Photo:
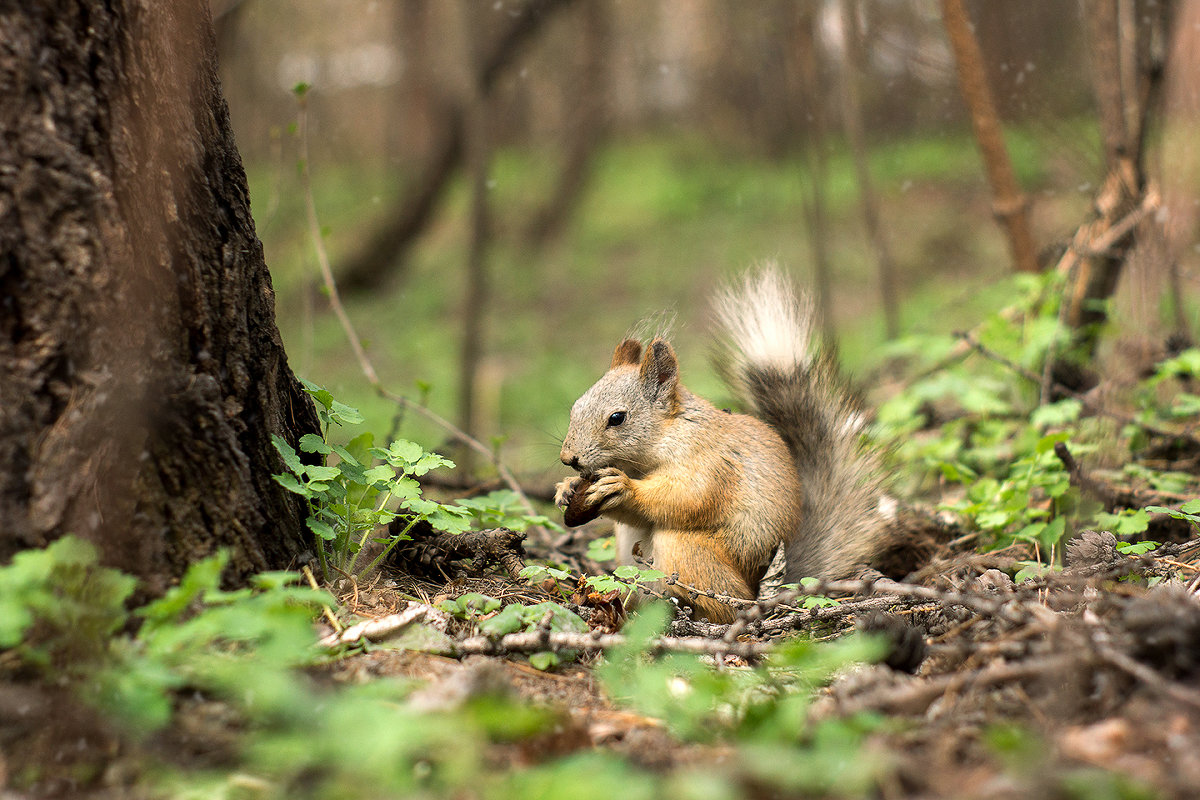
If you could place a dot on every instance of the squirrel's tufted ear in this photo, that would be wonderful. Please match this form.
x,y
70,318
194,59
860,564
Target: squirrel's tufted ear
x,y
660,370
627,352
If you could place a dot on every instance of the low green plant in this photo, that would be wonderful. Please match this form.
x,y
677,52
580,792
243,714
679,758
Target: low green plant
x,y
357,489
59,608
61,612
1189,512
470,605
539,574
761,713
1024,504
626,579
1137,548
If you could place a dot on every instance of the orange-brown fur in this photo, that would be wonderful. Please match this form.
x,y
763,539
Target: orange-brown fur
x,y
709,495
718,491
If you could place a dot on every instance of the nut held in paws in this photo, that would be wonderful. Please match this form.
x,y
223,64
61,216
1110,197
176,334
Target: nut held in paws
x,y
577,513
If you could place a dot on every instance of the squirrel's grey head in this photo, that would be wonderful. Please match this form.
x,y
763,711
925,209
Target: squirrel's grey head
x,y
617,421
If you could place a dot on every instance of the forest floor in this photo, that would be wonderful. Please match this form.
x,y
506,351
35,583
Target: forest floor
x,y
1083,682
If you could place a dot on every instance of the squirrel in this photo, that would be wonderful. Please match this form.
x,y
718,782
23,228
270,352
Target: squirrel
x,y
709,495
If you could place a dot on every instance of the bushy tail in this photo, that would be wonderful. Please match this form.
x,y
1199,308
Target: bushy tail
x,y
772,359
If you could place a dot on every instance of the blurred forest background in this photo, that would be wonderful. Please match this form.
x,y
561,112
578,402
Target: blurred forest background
x,y
506,187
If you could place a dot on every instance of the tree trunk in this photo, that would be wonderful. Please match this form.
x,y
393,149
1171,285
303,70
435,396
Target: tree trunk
x,y
587,94
813,93
867,199
1009,203
141,372
479,156
380,257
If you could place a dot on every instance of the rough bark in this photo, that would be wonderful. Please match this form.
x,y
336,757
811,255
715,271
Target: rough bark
x,y
141,372
1126,82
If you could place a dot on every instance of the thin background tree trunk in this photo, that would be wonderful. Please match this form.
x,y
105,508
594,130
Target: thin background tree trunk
x,y
587,95
141,372
476,291
1008,202
378,259
813,93
868,200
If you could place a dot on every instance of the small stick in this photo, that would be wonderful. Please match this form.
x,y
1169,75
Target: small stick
x,y
326,610
375,630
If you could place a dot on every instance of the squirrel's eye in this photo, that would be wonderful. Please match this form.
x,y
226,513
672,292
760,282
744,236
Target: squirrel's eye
x,y
616,418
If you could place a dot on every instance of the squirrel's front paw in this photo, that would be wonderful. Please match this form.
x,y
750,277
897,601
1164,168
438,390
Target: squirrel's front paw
x,y
565,489
610,489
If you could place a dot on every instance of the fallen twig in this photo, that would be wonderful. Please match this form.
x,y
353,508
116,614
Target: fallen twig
x,y
536,641
375,630
325,610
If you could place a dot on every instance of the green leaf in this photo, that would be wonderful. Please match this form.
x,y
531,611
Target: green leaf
x,y
605,583
319,473
344,414
448,519
289,456
1053,532
311,443
322,529
381,473
319,394
292,484
360,447
1057,414
346,456
201,578
543,660
1047,442
1136,548
510,620
1191,506
602,549
632,572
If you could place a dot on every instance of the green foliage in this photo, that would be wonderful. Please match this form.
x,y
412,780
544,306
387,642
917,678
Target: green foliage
x,y
1136,548
357,489
250,650
1125,522
539,573
495,621
1189,511
470,605
501,508
602,549
216,642
1013,508
810,600
625,579
516,617
999,443
761,712
58,607
62,611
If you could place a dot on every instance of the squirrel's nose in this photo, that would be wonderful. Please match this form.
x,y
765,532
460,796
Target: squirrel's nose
x,y
570,459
